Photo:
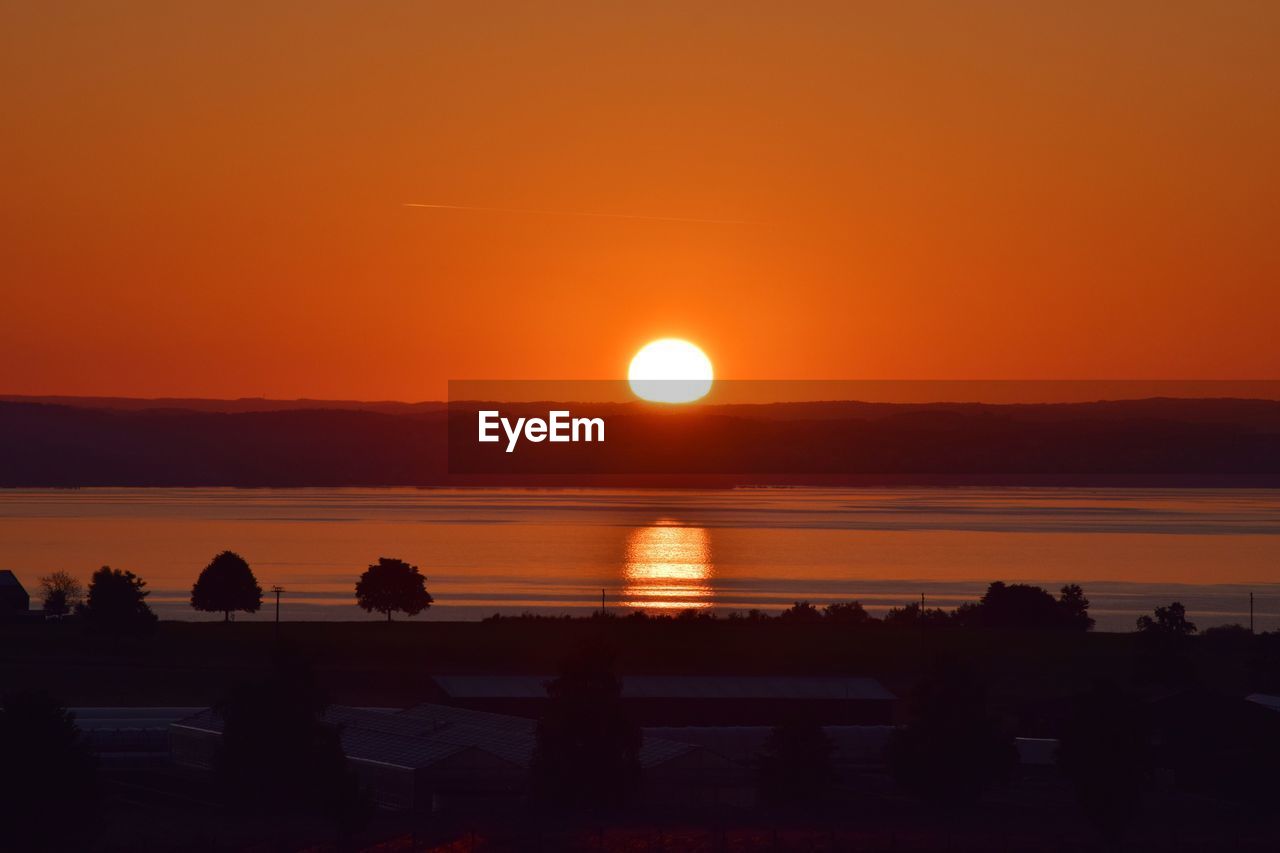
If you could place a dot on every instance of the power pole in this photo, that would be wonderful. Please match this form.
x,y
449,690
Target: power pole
x,y
1250,612
277,589
602,601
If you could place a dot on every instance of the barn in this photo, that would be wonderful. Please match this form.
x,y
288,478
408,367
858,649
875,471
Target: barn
x,y
14,600
427,755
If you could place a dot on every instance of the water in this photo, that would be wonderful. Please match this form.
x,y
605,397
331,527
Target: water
x,y
553,551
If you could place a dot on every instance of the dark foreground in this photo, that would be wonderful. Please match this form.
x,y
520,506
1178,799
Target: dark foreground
x,y
1030,679
156,811
390,665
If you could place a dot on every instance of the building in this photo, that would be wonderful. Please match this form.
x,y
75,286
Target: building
x,y
1218,744
129,737
428,755
694,700
1266,700
13,597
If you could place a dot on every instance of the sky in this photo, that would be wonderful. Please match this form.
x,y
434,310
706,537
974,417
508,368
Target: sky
x,y
209,198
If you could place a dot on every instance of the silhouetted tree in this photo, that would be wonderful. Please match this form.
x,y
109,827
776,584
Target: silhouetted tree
x,y
1105,751
1164,647
795,766
753,615
391,584
847,613
952,749
1168,621
61,592
49,781
226,584
278,756
1230,642
695,614
914,616
117,603
1025,607
588,749
801,611
1075,608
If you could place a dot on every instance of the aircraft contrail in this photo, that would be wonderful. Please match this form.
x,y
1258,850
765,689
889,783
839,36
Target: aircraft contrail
x,y
578,213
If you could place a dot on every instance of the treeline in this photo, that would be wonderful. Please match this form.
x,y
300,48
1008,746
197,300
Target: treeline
x,y
116,600
1002,607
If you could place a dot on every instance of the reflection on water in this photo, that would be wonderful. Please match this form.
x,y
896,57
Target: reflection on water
x,y
668,567
551,551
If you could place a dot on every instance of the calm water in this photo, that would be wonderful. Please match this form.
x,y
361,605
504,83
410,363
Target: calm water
x,y
508,550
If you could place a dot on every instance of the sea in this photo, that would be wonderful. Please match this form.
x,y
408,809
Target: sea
x,y
572,551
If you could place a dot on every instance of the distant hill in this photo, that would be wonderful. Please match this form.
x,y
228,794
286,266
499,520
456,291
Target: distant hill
x,y
107,442
243,404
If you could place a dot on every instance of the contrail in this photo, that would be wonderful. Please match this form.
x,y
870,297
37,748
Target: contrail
x,y
578,213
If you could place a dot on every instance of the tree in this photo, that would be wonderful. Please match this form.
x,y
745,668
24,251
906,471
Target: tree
x,y
1026,607
49,786
278,756
847,613
914,616
952,749
801,611
227,584
1075,608
587,751
1105,751
61,592
391,584
1164,642
795,766
1168,621
755,614
117,604
1230,641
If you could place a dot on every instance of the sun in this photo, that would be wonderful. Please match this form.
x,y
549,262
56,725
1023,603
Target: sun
x,y
670,371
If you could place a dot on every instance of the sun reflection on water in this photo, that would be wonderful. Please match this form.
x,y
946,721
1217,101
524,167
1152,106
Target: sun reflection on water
x,y
668,567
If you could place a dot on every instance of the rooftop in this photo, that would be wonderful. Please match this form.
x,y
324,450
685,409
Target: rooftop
x,y
1266,700
424,735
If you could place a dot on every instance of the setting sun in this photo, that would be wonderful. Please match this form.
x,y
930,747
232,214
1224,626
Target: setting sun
x,y
670,371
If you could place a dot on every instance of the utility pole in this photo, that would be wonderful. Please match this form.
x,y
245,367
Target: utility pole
x,y
1250,611
277,589
602,601
922,602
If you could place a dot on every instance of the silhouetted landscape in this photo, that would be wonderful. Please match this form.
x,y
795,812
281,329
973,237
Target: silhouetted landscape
x,y
1164,442
1005,722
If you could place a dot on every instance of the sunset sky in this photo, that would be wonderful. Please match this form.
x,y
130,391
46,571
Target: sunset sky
x,y
208,199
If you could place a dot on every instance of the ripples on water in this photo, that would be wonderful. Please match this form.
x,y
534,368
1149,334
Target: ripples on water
x,y
512,550
668,567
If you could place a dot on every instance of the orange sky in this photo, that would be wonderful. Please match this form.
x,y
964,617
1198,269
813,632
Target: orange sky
x,y
206,199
